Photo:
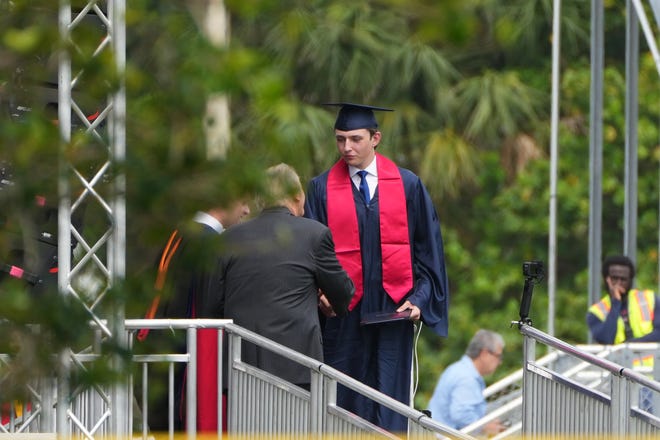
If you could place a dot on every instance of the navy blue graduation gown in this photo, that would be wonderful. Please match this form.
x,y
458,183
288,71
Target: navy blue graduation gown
x,y
380,355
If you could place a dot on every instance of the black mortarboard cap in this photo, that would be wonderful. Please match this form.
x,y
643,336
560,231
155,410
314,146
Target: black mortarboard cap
x,y
354,116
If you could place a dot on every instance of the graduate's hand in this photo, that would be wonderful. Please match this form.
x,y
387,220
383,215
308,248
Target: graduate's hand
x,y
415,313
325,306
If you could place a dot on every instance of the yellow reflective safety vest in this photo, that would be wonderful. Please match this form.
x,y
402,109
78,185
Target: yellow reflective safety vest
x,y
641,305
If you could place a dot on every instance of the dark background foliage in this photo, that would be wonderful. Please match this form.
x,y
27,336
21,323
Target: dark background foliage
x,y
470,83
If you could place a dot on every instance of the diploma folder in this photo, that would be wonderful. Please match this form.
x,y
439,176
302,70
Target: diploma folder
x,y
383,317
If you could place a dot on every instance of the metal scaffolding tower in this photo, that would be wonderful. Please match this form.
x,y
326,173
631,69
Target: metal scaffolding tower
x,y
636,17
98,187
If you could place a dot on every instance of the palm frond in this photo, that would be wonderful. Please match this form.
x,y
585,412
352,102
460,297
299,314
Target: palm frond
x,y
449,163
495,105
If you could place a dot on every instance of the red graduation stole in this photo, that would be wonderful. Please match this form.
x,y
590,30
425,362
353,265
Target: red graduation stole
x,y
394,239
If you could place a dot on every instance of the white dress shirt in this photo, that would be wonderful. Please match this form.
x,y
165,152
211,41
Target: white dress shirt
x,y
372,177
210,221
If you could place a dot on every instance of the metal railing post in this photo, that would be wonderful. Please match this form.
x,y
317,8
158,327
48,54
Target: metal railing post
x,y
191,385
620,404
221,415
316,409
529,355
47,391
232,385
329,399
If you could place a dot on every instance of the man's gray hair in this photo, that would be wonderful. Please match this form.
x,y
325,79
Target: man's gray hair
x,y
282,185
484,340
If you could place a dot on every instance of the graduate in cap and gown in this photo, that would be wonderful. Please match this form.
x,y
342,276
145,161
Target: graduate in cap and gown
x,y
387,237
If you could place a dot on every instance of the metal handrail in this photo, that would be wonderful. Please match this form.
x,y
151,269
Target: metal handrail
x,y
347,381
313,364
624,407
501,395
605,364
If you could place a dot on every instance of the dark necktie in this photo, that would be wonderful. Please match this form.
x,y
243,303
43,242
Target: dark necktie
x,y
364,188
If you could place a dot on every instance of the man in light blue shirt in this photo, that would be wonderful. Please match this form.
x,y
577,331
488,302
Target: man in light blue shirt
x,y
458,397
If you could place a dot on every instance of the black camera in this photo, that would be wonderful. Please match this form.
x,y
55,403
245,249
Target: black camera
x,y
533,269
534,273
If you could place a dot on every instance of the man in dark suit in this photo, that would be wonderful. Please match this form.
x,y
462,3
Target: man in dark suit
x,y
184,269
274,272
189,272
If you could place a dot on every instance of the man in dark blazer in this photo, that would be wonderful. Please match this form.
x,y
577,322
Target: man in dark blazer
x,y
274,272
183,277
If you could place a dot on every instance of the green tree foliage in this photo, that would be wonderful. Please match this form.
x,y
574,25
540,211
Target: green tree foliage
x,y
470,82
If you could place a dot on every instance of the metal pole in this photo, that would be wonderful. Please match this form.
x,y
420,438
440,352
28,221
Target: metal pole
x,y
64,124
596,151
650,40
64,211
648,33
630,181
117,249
552,233
655,6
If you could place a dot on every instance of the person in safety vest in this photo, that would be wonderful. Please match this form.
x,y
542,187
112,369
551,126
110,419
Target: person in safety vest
x,y
626,314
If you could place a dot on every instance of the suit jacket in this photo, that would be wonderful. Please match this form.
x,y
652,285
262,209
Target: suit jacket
x,y
267,281
186,282
189,272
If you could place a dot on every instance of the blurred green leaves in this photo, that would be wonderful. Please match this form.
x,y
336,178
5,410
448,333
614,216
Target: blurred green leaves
x,y
470,84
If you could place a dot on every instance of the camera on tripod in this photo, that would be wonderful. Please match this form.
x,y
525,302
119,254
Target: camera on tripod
x,y
533,272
